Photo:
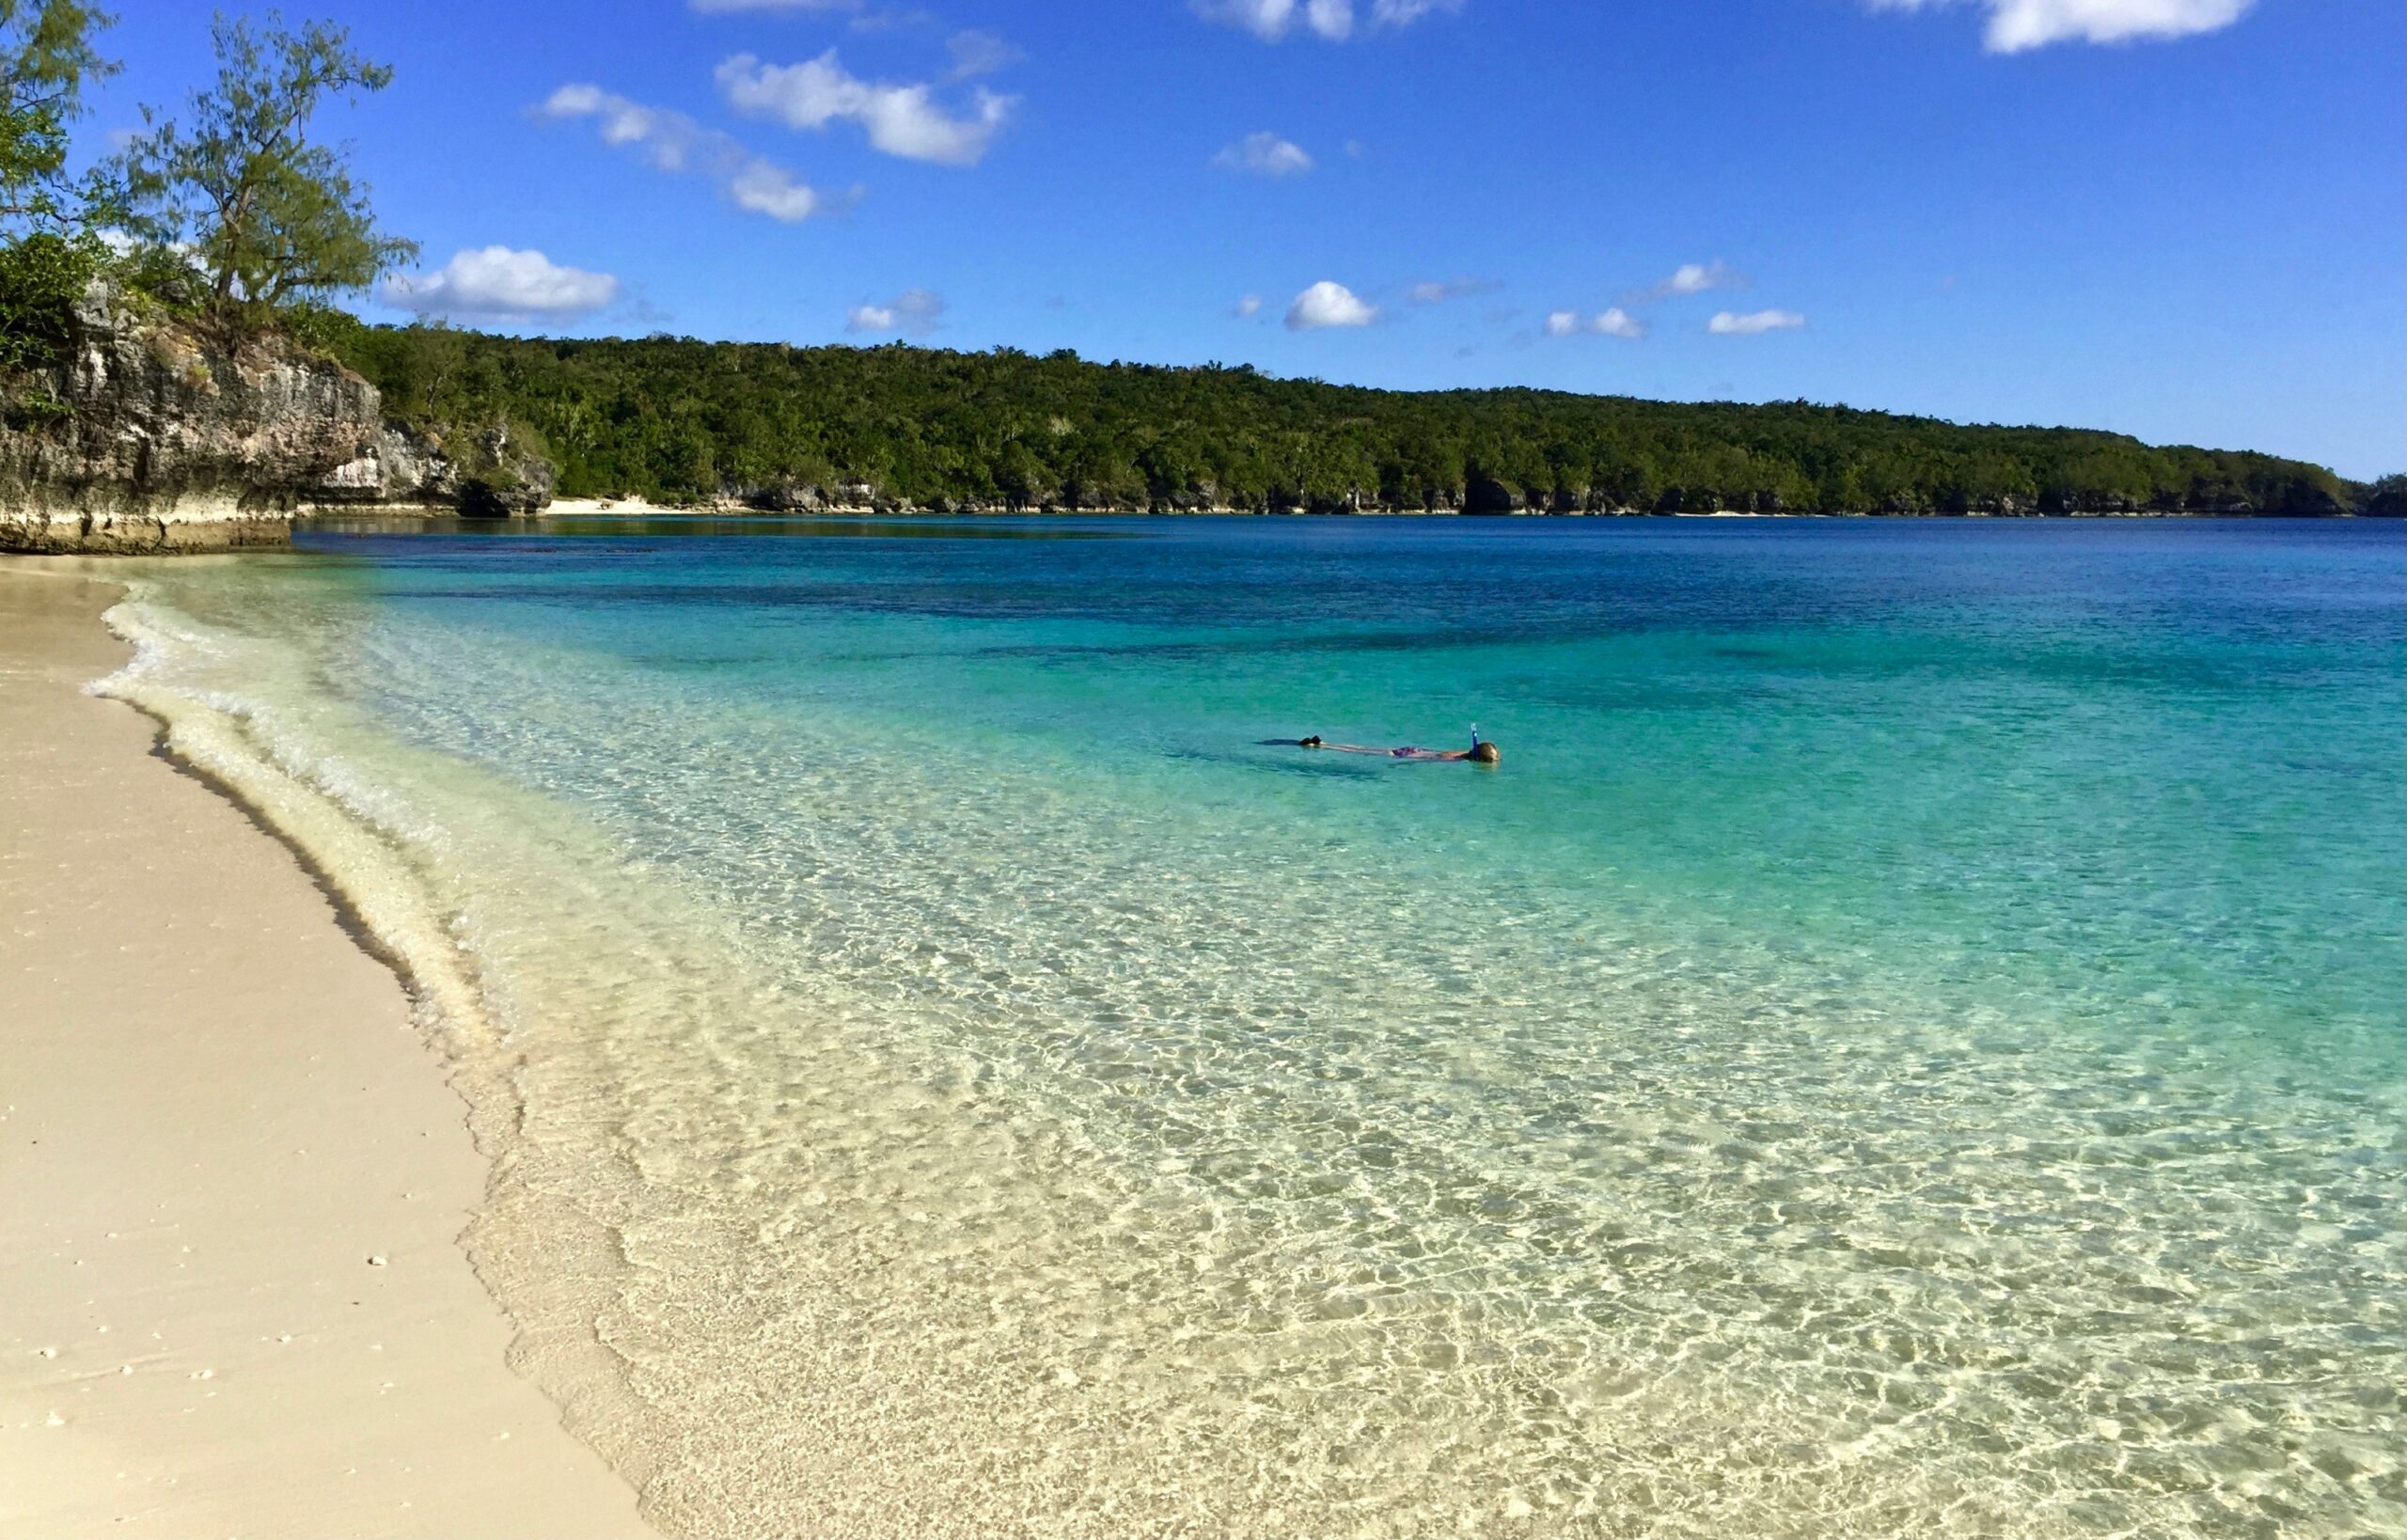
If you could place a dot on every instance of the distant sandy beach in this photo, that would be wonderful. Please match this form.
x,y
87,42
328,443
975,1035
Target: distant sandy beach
x,y
231,1177
629,506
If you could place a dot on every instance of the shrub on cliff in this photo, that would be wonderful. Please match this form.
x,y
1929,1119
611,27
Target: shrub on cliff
x,y
41,276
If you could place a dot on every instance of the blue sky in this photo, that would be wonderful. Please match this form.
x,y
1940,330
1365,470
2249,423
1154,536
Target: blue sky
x,y
2183,219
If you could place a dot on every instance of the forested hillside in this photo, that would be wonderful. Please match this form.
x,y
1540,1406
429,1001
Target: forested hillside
x,y
784,427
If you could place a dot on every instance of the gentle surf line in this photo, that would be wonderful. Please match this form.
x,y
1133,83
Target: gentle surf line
x,y
362,858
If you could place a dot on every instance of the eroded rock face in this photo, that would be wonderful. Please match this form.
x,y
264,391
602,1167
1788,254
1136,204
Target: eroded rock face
x,y
171,442
188,525
481,474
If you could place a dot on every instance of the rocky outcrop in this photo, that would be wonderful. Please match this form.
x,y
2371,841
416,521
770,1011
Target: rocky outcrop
x,y
157,439
479,475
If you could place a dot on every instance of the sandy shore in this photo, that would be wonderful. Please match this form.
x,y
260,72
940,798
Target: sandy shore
x,y
231,1178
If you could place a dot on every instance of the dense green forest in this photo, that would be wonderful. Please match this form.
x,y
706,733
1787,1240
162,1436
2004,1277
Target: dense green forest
x,y
674,419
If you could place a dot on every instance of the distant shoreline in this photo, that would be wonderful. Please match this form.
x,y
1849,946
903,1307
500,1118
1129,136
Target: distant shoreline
x,y
212,527
638,508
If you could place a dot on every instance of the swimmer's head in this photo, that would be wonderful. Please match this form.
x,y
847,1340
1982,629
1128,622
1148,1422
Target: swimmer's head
x,y
1312,742
1485,753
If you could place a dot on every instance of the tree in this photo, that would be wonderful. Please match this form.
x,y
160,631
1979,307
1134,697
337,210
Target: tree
x,y
49,252
267,217
46,56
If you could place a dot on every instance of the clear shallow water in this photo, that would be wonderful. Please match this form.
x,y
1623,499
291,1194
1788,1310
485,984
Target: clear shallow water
x,y
1909,1041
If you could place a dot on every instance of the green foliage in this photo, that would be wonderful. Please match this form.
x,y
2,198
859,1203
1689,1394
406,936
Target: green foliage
x,y
47,253
676,419
41,276
46,59
269,218
322,328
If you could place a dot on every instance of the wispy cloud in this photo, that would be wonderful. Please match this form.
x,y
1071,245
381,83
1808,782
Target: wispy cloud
x,y
1264,154
976,53
1247,308
1437,291
864,19
1406,12
721,8
2018,25
670,141
1270,19
914,312
1753,324
1330,20
1691,278
902,120
496,283
1614,322
1326,305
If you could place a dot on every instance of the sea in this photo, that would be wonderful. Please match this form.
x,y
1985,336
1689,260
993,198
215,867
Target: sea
x,y
1909,1039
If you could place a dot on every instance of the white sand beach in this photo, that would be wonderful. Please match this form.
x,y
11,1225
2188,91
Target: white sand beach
x,y
232,1176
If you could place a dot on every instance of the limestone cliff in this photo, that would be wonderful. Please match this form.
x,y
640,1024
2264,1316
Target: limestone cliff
x,y
156,439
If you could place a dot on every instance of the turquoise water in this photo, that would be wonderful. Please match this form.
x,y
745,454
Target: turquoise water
x,y
1909,1039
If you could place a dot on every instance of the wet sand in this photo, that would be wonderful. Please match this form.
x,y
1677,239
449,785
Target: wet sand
x,y
232,1178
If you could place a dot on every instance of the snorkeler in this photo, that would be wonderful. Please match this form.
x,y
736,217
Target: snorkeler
x,y
1480,752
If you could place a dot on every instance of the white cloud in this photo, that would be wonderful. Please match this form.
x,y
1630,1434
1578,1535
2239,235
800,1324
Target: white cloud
x,y
721,8
1247,308
2017,25
1693,278
1753,324
1264,155
1269,20
1330,20
664,138
1406,12
670,141
902,120
1612,322
980,54
915,311
496,283
758,187
1327,303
